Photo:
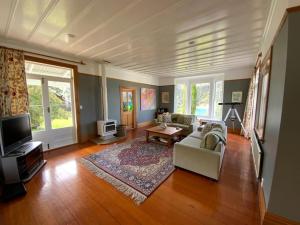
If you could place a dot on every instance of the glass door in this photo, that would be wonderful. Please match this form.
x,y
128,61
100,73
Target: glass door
x,y
36,104
51,111
127,113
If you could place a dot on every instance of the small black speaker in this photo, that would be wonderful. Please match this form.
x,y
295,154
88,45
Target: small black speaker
x,y
10,191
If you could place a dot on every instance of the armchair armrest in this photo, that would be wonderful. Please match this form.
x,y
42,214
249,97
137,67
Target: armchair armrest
x,y
199,160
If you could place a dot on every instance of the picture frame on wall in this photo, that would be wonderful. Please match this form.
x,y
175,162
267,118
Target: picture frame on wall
x,y
237,96
165,97
148,99
263,95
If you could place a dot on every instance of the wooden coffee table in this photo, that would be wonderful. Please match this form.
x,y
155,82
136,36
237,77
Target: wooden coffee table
x,y
169,133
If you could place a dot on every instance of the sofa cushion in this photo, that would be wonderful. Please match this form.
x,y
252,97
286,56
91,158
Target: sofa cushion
x,y
210,141
190,141
187,120
180,119
207,127
196,134
218,125
174,118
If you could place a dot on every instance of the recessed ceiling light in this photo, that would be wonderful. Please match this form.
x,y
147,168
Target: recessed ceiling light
x,y
71,35
68,37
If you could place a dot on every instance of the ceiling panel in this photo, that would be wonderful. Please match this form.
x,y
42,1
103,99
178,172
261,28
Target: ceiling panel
x,y
7,9
27,15
59,15
133,17
158,37
95,15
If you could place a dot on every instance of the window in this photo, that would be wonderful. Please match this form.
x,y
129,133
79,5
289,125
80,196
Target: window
x,y
200,94
181,98
218,109
204,97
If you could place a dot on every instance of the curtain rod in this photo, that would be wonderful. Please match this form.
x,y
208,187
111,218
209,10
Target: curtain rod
x,y
257,59
52,57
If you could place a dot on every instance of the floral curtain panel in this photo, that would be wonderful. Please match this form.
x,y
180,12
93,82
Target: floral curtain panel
x,y
248,120
13,88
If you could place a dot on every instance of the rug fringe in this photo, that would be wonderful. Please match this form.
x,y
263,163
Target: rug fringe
x,y
121,186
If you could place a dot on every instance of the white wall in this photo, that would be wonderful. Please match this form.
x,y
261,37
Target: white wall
x,y
276,13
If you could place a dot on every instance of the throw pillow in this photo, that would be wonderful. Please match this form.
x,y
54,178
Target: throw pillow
x,y
217,129
217,125
207,127
160,118
167,118
187,120
174,118
210,141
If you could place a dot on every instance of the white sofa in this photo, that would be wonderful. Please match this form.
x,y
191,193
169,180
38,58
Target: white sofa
x,y
187,154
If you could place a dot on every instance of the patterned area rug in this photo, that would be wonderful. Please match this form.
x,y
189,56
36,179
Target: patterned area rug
x,y
135,168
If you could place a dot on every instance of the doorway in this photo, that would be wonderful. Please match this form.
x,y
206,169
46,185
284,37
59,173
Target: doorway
x,y
51,104
128,107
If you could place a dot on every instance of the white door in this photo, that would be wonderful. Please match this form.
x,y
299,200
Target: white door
x,y
51,107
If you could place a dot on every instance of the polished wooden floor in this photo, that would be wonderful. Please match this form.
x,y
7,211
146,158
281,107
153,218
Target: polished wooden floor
x,y
65,192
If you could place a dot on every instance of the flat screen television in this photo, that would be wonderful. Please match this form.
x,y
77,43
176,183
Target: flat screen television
x,y
14,132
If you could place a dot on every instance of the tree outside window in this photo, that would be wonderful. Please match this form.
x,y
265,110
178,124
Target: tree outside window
x,y
200,94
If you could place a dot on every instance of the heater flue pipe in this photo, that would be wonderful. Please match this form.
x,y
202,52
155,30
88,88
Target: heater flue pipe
x,y
104,90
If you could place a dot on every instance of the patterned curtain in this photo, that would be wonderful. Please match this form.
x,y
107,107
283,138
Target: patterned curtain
x,y
13,88
249,112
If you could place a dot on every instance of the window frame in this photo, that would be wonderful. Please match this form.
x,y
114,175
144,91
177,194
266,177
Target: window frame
x,y
212,80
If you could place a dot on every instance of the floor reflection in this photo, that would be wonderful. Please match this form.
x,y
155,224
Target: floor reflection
x,y
66,170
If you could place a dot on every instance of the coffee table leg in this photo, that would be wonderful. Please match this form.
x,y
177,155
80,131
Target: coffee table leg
x,y
147,136
169,142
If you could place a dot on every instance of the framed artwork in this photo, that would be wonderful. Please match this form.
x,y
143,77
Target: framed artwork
x,y
165,97
263,95
148,99
237,96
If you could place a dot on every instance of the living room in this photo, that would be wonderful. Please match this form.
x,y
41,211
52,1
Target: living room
x,y
149,112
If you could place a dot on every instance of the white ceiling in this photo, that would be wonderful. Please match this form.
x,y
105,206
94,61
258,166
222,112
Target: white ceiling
x,y
157,37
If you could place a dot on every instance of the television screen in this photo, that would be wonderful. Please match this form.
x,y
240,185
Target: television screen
x,y
15,131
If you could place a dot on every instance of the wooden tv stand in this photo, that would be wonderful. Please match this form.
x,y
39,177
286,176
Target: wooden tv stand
x,y
23,163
